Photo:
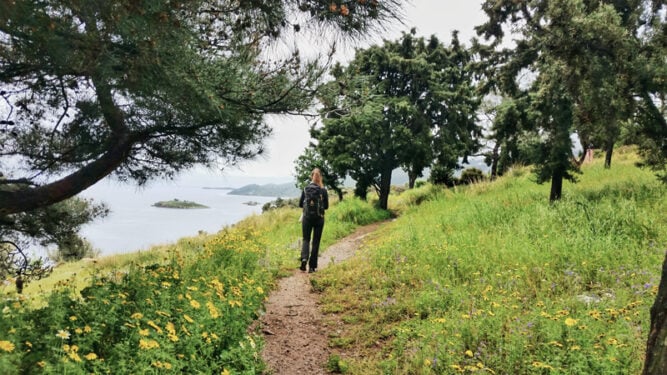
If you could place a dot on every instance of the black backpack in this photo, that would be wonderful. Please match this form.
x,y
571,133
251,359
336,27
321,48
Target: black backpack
x,y
313,206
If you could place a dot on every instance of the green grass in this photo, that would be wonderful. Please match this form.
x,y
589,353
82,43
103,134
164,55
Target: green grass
x,y
489,278
182,308
493,279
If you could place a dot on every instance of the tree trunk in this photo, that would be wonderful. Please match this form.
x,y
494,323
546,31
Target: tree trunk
x,y
655,362
412,177
495,156
609,150
361,191
385,188
585,147
340,194
28,199
556,185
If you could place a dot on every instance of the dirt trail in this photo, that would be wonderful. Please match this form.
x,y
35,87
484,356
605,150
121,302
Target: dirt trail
x,y
296,339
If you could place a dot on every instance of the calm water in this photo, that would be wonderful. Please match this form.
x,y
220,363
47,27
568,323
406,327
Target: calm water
x,y
134,224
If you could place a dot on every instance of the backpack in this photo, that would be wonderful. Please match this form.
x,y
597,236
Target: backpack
x,y
312,203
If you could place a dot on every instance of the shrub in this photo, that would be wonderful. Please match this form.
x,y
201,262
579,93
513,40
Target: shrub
x,y
471,176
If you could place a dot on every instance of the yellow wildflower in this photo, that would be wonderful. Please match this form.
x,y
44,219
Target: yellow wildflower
x,y
6,346
212,310
148,344
570,322
155,326
225,372
144,332
456,367
72,318
63,334
195,304
538,364
87,329
188,318
91,356
469,353
137,315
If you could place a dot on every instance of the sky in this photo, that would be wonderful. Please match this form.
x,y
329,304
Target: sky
x,y
290,133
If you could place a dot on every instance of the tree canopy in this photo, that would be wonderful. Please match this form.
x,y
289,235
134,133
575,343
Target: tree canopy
x,y
577,66
143,89
404,103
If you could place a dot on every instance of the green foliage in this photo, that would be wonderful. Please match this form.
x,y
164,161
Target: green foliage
x,y
279,203
186,310
73,248
573,88
490,278
189,314
56,225
150,88
311,159
336,365
358,212
471,176
442,175
404,103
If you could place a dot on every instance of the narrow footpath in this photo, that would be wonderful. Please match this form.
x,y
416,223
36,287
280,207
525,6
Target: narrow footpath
x,y
295,336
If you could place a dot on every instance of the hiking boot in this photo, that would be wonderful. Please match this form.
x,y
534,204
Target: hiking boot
x,y
303,265
311,270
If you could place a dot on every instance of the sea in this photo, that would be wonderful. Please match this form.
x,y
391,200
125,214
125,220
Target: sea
x,y
135,224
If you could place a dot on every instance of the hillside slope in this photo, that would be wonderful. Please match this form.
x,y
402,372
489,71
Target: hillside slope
x,y
494,279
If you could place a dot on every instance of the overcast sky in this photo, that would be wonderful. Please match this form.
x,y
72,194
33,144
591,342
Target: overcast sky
x,y
290,134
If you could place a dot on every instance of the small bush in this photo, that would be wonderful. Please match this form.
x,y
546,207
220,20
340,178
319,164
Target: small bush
x,y
337,365
471,176
73,248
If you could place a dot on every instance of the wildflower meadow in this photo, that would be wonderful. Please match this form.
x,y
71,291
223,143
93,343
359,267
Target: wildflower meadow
x,y
488,278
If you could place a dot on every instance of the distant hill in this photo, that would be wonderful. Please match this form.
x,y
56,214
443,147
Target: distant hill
x,y
286,190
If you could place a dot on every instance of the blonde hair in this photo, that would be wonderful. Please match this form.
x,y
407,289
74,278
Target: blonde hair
x,y
316,177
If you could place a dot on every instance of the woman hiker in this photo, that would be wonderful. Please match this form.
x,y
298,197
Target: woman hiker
x,y
314,201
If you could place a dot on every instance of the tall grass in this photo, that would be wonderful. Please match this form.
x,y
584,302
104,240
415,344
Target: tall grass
x,y
182,308
495,279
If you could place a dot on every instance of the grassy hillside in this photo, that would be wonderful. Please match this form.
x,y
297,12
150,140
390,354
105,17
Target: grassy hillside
x,y
183,308
494,279
489,278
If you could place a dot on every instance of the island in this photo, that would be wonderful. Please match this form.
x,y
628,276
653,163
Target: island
x,y
286,190
177,203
